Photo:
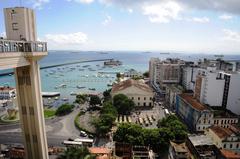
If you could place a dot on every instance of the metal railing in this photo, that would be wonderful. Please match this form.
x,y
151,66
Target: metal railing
x,y
22,46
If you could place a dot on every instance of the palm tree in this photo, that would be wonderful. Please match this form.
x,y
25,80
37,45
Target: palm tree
x,y
77,153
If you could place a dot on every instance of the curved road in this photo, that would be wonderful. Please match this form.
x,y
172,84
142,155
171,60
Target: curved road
x,y
58,129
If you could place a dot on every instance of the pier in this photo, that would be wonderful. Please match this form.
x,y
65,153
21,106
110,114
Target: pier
x,y
58,65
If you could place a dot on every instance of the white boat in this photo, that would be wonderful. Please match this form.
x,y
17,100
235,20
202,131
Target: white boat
x,y
73,93
64,99
80,87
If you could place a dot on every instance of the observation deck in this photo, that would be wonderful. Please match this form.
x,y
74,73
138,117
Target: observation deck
x,y
16,53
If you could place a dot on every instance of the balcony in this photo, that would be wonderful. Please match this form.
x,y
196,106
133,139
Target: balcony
x,y
17,53
22,46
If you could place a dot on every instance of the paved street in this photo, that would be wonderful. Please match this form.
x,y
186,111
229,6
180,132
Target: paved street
x,y
58,129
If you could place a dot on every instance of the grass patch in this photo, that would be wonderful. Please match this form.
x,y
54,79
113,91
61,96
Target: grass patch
x,y
49,113
77,124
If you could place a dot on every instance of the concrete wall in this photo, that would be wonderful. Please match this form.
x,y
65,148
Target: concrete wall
x,y
233,103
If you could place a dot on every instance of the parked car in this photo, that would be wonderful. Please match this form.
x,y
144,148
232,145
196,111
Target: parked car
x,y
83,134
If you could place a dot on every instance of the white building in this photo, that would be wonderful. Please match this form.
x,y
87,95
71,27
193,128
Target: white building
x,y
217,88
7,93
189,74
139,92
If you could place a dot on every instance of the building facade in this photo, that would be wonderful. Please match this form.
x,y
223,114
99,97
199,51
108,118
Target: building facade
x,y
217,88
164,72
138,91
189,74
198,117
225,138
178,151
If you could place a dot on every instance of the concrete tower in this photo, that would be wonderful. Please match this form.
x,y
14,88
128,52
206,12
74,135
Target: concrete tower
x,y
21,51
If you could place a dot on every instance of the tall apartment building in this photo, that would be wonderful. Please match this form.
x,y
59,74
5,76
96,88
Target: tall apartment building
x,y
164,72
189,74
217,88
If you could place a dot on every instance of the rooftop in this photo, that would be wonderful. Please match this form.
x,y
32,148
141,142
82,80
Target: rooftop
x,y
99,150
179,147
130,82
198,140
223,113
4,88
193,102
230,154
223,132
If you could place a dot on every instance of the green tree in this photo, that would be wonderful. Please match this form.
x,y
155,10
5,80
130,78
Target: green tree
x,y
146,74
178,129
77,153
81,98
123,104
104,123
107,95
129,133
64,109
94,100
118,75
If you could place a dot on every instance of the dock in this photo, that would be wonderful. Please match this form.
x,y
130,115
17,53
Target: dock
x,y
50,94
58,65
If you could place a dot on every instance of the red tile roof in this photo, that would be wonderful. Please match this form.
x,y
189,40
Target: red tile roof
x,y
193,102
221,132
230,154
130,82
6,88
99,150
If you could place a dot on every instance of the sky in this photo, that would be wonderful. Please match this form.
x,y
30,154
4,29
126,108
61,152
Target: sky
x,y
191,26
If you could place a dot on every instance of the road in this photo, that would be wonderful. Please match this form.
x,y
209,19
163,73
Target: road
x,y
57,129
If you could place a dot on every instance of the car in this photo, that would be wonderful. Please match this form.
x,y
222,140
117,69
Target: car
x,y
90,136
83,134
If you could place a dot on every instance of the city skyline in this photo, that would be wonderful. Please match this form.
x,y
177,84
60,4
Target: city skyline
x,y
172,26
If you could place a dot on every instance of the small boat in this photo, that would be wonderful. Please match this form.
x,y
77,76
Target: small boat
x,y
92,89
56,98
109,84
73,93
64,99
80,87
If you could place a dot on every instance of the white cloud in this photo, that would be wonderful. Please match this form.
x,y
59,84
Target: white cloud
x,y
231,35
162,12
107,20
81,1
225,17
130,10
37,4
3,34
201,19
66,39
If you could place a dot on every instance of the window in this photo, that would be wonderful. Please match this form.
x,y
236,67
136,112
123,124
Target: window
x,y
132,98
224,146
237,146
14,26
138,104
150,104
144,98
144,104
138,98
150,98
230,146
